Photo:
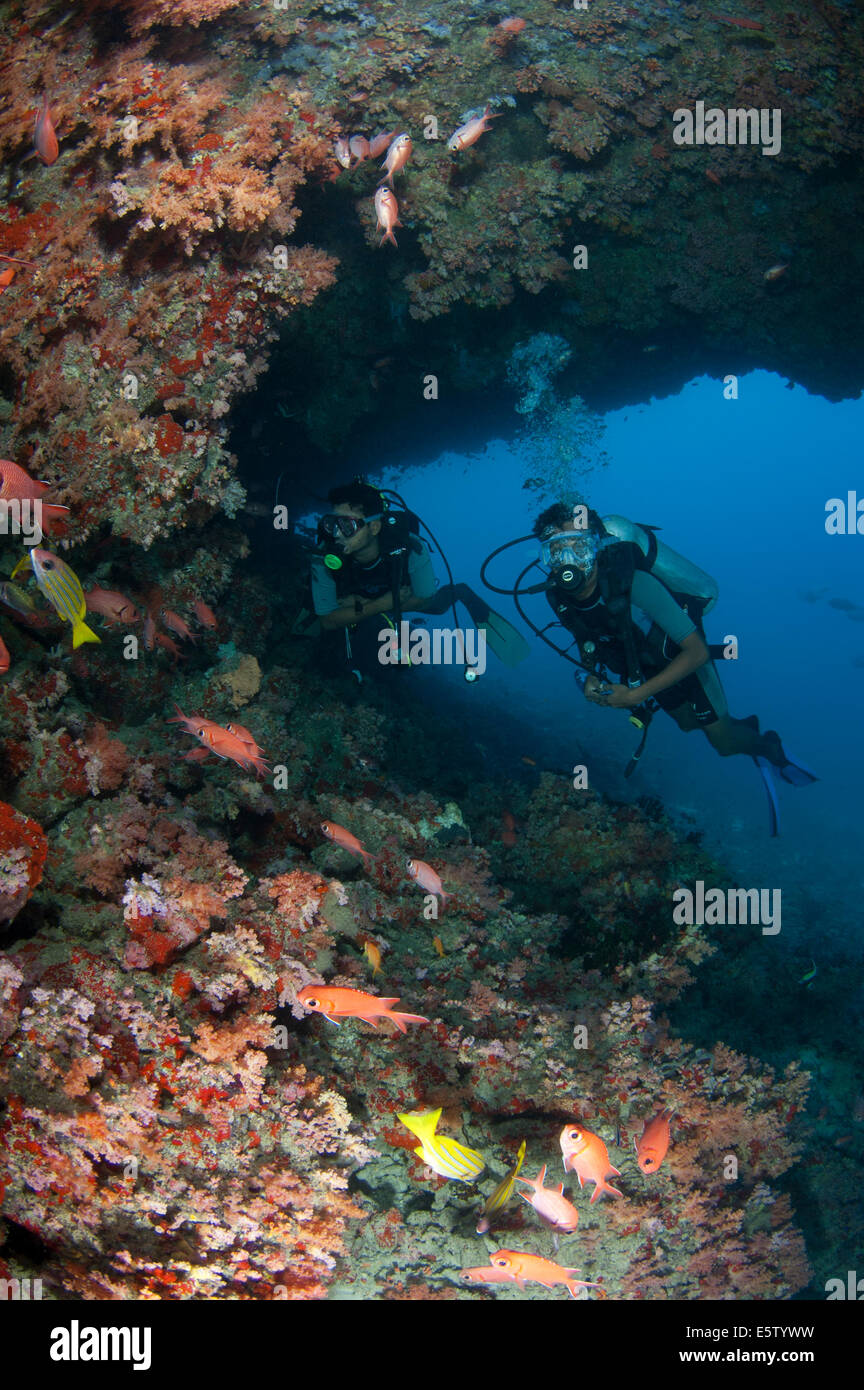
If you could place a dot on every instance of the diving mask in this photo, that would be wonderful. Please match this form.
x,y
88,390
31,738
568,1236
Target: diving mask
x,y
569,550
341,528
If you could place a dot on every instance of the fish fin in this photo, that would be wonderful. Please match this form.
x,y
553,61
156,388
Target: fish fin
x,y
400,1019
561,1189
331,1019
520,1283
22,564
81,633
541,1177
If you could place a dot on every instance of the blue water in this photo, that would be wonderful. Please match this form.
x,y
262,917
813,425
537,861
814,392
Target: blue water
x,y
740,487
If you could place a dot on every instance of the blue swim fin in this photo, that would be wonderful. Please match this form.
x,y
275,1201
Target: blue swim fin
x,y
796,774
765,771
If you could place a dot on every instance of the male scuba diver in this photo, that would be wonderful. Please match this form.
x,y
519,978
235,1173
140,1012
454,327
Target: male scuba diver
x,y
371,563
635,608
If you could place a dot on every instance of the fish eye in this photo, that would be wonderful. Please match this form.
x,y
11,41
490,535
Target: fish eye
x,y
200,733
502,1263
311,1003
48,565
649,1162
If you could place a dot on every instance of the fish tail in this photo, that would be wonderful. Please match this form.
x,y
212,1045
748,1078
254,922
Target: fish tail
x,y
82,633
575,1285
603,1186
400,1019
388,236
367,858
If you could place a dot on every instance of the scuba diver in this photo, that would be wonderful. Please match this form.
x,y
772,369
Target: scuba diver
x,y
371,563
635,608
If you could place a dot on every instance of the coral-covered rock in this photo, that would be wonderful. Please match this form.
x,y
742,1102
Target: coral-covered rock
x,y
23,850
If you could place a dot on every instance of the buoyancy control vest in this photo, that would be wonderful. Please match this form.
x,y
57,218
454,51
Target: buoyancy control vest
x,y
614,641
397,539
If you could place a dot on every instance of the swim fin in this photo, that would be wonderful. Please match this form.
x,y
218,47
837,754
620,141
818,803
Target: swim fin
x,y
505,640
765,771
796,773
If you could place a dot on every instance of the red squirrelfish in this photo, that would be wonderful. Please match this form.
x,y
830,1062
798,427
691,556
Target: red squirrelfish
x,y
550,1202
487,1274
112,606
471,130
333,1001
652,1145
178,625
586,1155
150,633
340,836
522,1268
380,143
245,737
221,742
424,875
44,135
7,276
17,485
204,614
387,212
5,659
397,157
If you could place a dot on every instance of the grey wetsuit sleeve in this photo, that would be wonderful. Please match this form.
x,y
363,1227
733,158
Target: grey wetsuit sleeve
x,y
649,595
325,599
421,574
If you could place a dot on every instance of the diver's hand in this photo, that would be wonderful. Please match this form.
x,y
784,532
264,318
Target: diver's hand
x,y
602,693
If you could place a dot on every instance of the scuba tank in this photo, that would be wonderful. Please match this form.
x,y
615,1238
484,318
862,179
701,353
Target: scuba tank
x,y
679,575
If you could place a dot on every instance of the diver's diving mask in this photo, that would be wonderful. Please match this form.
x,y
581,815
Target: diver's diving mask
x,y
333,527
569,556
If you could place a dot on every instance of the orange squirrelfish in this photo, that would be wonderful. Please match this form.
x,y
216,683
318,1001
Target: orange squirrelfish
x,y
332,1000
5,658
387,212
358,147
342,151
652,1145
16,485
550,1203
380,143
205,615
114,607
424,875
471,131
487,1274
586,1155
178,625
44,135
522,1267
7,276
397,157
222,742
340,836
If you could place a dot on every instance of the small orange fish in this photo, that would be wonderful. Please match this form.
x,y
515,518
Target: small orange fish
x,y
508,830
178,625
486,1274
342,151
713,176
653,1143
245,737
522,1268
425,876
471,131
380,143
439,946
529,762
372,952
397,157
550,1203
7,276
340,836
222,742
161,640
17,485
112,606
205,615
5,658
44,135
587,1156
332,1000
150,634
387,212
775,272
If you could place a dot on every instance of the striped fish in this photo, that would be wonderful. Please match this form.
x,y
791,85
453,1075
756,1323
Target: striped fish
x,y
62,588
502,1194
16,599
444,1156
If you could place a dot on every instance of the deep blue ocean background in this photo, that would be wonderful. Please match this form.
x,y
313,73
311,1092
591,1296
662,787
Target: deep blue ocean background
x,y
739,487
